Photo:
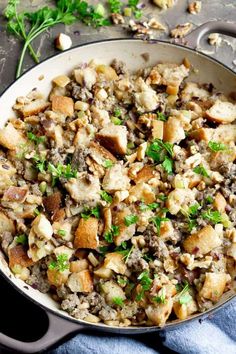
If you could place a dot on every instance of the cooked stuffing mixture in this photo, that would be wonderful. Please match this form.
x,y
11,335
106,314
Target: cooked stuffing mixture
x,y
119,193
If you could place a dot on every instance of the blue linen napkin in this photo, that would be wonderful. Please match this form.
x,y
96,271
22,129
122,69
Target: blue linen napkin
x,y
215,334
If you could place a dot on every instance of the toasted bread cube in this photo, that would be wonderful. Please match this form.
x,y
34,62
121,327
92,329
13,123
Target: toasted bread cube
x,y
63,105
202,242
107,219
84,189
112,290
214,286
10,137
125,232
77,266
6,224
219,203
100,154
182,311
223,133
15,194
113,138
159,313
57,278
115,262
141,191
108,72
104,273
222,112
42,227
18,255
173,130
145,174
61,80
34,107
80,282
86,234
157,129
116,179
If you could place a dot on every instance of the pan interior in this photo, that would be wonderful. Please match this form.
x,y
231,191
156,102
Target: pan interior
x,y
132,53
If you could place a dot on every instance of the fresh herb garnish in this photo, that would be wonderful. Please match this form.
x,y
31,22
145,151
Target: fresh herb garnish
x,y
105,196
147,257
108,164
103,250
215,146
193,210
162,197
157,220
212,215
145,282
61,264
133,4
121,281
183,297
200,170
87,213
160,299
36,211
130,219
122,249
36,139
61,233
61,171
117,112
209,199
21,239
39,163
161,152
161,116
91,15
118,301
116,120
114,231
115,6
29,25
151,206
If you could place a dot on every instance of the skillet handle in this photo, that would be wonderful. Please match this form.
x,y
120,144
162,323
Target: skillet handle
x,y
58,328
228,28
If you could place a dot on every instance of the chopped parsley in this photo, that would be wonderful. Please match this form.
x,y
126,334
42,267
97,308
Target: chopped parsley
x,y
115,6
157,220
103,250
117,112
133,4
209,199
161,153
126,252
36,139
121,281
36,211
61,171
130,219
39,163
87,213
200,170
162,197
118,301
215,146
114,231
21,239
161,116
108,164
61,263
148,258
151,206
160,299
145,282
116,120
183,297
105,196
212,215
193,210
61,233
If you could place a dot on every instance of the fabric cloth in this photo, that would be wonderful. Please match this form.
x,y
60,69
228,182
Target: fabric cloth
x,y
216,334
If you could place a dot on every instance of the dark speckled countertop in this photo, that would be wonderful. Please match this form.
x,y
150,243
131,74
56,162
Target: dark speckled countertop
x,y
211,10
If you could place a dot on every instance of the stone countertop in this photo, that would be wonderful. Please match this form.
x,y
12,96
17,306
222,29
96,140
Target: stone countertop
x,y
211,10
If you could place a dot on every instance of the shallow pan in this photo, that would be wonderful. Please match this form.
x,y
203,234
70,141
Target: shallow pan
x,y
131,52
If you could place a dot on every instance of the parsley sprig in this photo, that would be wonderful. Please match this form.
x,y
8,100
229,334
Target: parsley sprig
x,y
216,146
60,171
114,231
161,153
213,216
87,213
157,220
61,263
183,297
200,170
130,219
21,239
145,282
36,139
27,26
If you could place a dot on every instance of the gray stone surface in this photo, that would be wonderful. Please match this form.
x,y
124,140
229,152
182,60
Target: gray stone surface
x,y
211,10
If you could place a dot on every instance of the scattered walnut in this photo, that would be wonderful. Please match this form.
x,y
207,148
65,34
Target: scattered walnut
x,y
214,39
117,19
181,31
164,4
153,23
195,7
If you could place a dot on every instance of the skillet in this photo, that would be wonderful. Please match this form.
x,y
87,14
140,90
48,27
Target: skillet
x,y
131,52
